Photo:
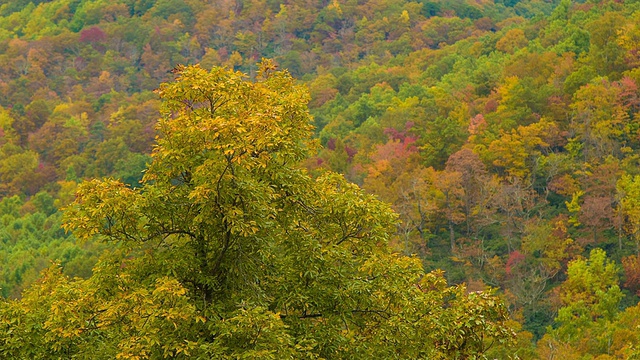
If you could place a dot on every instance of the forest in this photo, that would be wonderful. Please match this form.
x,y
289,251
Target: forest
x,y
320,179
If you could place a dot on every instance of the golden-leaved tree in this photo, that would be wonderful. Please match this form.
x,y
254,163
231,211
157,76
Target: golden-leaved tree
x,y
229,250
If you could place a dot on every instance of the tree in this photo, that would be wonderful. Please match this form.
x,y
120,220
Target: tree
x,y
472,178
628,188
605,50
519,151
590,297
602,118
597,211
229,250
512,41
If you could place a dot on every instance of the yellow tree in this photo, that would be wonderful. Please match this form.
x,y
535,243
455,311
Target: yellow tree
x,y
230,250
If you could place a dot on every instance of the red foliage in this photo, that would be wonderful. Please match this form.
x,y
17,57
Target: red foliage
x,y
351,152
629,93
43,175
515,259
403,135
631,266
92,35
491,105
467,163
394,134
223,53
396,149
597,212
331,144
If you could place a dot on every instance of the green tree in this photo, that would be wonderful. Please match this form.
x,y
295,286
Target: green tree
x,y
590,298
229,250
628,188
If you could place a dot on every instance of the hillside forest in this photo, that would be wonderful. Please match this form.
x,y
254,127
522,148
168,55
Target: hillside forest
x,y
489,154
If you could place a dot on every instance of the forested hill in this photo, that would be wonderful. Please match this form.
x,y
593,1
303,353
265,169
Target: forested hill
x,y
504,133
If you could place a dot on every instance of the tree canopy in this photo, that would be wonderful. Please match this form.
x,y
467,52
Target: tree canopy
x,y
229,249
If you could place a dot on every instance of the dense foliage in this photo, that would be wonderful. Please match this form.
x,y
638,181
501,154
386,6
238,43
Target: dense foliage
x,y
503,133
229,250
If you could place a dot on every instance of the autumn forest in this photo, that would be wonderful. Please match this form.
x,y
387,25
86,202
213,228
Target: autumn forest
x,y
328,179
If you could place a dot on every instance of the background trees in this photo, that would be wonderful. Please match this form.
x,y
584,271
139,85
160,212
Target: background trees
x,y
540,97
